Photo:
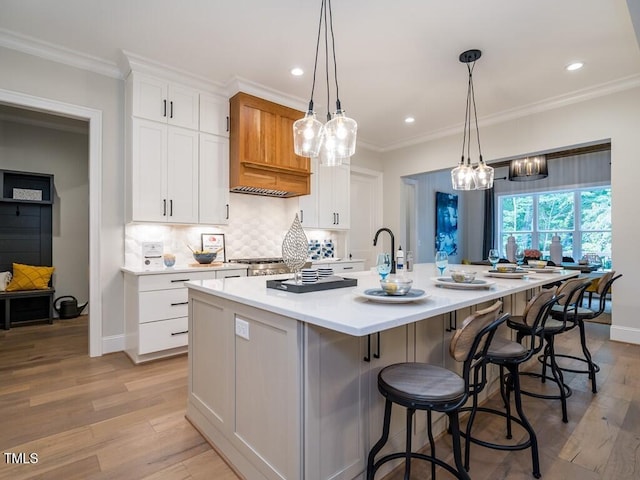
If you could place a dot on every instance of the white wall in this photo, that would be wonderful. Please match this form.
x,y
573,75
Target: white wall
x,y
615,117
41,78
65,155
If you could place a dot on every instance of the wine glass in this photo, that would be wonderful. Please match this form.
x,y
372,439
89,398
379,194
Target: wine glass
x,y
519,256
383,265
494,257
442,260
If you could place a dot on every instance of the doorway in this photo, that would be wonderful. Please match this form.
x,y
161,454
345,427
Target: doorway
x,y
94,117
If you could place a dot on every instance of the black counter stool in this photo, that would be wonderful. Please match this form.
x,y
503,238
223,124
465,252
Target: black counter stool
x,y
508,355
421,386
578,315
569,293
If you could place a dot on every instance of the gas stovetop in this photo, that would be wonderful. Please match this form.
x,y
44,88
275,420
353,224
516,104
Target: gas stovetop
x,y
263,266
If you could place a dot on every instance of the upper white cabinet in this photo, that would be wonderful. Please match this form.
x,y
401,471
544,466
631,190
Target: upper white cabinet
x,y
161,101
334,185
214,179
328,205
164,173
214,114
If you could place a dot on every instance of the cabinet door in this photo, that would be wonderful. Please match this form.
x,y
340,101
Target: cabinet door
x,y
284,143
150,97
326,212
214,115
342,195
182,173
149,171
308,204
214,179
183,106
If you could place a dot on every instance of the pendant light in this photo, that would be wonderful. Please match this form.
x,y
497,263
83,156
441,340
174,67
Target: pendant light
x,y
529,168
336,140
465,176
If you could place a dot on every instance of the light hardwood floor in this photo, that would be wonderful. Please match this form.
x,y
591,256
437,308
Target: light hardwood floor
x,y
103,418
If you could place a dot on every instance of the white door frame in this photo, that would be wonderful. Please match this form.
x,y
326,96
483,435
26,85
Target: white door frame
x,y
94,117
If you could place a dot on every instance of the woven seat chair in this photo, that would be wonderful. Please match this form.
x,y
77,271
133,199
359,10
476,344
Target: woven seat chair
x,y
422,386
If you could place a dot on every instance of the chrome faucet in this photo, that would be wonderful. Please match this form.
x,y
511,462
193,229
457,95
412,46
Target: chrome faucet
x,y
393,246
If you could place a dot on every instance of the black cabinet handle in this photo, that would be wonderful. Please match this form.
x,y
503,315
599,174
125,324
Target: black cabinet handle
x,y
180,280
171,109
164,207
367,357
347,268
173,334
453,322
377,354
227,123
227,211
338,216
301,216
179,303
164,108
171,208
232,276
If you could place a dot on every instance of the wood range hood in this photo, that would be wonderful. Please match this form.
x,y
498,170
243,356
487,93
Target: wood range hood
x,y
262,161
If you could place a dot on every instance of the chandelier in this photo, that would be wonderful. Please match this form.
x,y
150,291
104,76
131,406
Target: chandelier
x,y
529,168
335,140
465,176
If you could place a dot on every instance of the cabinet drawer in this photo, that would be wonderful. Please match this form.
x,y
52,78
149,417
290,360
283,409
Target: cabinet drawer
x,y
163,335
236,272
163,304
171,280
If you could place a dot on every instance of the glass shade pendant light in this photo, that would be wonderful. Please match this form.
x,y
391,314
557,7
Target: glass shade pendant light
x,y
465,176
336,140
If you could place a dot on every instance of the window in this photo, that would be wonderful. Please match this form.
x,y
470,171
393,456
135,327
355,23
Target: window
x,y
581,218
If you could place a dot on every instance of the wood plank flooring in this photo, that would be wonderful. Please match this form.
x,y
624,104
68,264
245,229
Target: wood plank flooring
x,y
104,418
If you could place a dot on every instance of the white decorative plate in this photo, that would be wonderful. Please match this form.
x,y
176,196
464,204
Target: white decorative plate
x,y
378,295
477,284
497,274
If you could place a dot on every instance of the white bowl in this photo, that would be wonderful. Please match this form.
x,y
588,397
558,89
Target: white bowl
x,y
463,276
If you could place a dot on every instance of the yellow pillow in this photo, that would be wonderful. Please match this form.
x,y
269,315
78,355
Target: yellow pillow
x,y
28,277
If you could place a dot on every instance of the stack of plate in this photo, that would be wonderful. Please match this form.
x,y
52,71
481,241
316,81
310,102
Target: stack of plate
x,y
324,272
309,275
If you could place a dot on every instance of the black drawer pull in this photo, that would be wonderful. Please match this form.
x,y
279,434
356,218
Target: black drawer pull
x,y
179,303
232,276
181,280
347,268
173,334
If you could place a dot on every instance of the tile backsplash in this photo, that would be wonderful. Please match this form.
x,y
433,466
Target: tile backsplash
x,y
256,228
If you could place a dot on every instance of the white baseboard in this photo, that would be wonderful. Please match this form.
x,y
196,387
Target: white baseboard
x,y
625,334
114,343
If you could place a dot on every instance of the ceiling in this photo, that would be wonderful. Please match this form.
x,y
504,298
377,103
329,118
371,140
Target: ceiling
x,y
394,59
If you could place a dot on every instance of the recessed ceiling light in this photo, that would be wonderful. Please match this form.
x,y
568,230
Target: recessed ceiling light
x,y
296,72
575,66
409,120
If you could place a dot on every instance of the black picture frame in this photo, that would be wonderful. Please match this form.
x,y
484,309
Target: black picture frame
x,y
212,242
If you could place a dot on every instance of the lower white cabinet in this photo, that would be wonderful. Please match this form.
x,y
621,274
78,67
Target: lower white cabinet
x,y
157,309
343,266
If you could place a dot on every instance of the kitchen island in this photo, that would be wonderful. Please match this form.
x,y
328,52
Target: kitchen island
x,y
284,385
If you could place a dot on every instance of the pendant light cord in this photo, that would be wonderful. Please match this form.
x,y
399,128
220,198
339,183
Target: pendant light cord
x,y
315,64
475,112
335,63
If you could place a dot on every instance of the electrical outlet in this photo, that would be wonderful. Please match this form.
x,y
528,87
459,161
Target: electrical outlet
x,y
242,328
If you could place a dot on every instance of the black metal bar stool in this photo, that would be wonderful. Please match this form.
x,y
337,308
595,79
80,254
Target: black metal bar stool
x,y
578,314
569,293
421,386
508,355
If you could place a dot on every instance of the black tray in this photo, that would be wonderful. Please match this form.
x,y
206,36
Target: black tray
x,y
312,287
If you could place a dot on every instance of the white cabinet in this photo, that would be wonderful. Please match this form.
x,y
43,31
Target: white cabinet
x,y
328,204
214,114
156,311
214,179
162,101
164,173
334,197
343,266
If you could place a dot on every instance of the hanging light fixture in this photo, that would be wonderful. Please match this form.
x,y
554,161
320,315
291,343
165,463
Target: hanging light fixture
x,y
465,176
530,168
336,140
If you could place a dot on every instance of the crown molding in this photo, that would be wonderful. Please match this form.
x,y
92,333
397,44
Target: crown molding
x,y
604,89
55,53
239,84
130,61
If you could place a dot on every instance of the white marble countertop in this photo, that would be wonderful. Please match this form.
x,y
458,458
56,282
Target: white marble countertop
x,y
185,269
344,311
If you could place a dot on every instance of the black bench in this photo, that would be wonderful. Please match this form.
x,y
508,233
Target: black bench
x,y
6,297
